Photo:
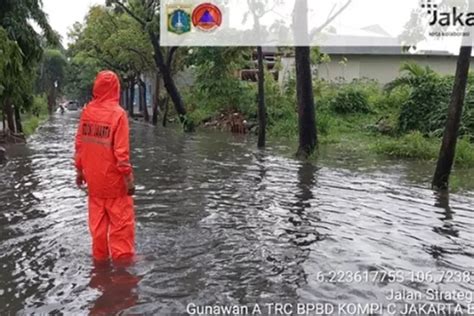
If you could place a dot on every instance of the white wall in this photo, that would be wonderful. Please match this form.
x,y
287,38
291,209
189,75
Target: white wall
x,y
380,67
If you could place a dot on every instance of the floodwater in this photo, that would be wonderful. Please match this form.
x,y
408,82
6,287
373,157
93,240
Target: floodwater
x,y
221,223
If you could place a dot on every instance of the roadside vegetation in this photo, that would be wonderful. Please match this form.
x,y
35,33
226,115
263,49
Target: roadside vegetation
x,y
404,119
36,115
32,68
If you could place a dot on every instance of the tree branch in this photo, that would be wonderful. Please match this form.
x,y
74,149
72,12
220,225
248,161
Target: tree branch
x,y
330,19
130,12
170,55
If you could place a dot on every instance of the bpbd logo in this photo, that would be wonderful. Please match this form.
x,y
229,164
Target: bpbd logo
x,y
453,16
205,17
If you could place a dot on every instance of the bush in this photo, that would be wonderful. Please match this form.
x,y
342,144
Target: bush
x,y
36,114
324,121
39,106
465,153
416,146
426,108
350,100
413,145
281,109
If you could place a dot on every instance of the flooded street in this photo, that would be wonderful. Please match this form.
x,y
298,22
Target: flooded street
x,y
219,222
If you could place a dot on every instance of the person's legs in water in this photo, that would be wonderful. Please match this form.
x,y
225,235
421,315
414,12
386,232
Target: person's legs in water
x,y
122,228
117,286
99,228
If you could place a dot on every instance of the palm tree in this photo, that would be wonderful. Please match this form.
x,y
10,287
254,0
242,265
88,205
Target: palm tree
x,y
411,72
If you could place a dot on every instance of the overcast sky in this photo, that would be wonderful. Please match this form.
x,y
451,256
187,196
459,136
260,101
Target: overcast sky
x,y
63,13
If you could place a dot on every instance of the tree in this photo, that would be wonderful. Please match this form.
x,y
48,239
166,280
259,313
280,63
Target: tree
x,y
262,111
11,70
51,75
450,137
115,41
308,138
147,14
258,11
416,31
23,45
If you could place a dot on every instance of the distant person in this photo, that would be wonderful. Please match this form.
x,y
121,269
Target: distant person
x,y
103,163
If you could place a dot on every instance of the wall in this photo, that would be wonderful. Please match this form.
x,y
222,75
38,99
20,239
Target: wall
x,y
383,68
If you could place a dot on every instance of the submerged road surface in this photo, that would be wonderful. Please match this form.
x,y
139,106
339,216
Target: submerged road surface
x,y
220,223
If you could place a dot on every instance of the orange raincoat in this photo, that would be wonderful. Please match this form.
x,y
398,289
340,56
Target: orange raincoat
x,y
102,155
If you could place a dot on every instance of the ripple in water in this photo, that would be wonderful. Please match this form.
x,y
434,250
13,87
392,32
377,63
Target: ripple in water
x,y
221,223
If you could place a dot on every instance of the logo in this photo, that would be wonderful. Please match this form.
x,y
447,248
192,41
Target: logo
x,y
207,17
179,20
454,17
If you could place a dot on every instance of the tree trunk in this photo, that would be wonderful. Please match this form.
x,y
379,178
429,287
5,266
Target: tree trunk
x,y
450,137
19,127
8,110
51,100
170,85
308,138
262,111
132,99
140,97
146,114
127,96
4,122
166,105
156,101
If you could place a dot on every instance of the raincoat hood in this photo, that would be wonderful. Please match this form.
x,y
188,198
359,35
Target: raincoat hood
x,y
106,88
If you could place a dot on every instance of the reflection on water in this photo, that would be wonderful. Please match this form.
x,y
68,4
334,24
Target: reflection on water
x,y
117,287
219,222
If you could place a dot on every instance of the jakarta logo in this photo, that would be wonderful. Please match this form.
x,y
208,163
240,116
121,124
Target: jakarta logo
x,y
207,17
179,20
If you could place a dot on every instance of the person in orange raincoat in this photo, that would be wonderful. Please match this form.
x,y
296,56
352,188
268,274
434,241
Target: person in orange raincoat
x,y
102,161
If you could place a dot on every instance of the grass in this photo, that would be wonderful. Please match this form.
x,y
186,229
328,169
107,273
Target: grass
x,y
353,133
35,116
410,146
367,122
416,146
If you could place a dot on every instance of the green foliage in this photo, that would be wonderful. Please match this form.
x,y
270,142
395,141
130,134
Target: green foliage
x,y
80,75
40,106
37,114
416,146
21,48
465,153
52,71
324,122
426,107
16,18
350,100
115,40
109,39
217,88
11,66
412,145
410,71
281,109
